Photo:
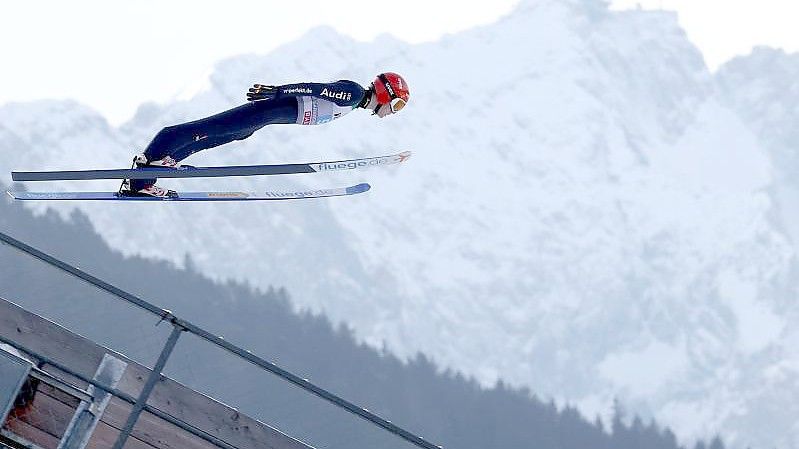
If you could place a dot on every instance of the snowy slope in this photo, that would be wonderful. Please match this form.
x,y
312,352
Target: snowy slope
x,y
586,212
762,89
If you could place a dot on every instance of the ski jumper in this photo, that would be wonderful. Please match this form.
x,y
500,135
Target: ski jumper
x,y
302,104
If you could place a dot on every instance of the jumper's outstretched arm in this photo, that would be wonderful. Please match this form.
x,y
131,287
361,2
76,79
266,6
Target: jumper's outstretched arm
x,y
342,92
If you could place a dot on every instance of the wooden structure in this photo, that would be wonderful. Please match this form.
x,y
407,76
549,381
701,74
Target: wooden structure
x,y
51,394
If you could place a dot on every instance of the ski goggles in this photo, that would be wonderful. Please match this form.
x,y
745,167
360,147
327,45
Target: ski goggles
x,y
396,104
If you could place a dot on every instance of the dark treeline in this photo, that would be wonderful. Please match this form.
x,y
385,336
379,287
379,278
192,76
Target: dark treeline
x,y
445,407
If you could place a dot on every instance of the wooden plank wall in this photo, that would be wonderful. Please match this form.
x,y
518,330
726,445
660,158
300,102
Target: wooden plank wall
x,y
83,356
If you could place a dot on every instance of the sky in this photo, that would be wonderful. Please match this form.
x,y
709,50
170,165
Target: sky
x,y
114,55
723,29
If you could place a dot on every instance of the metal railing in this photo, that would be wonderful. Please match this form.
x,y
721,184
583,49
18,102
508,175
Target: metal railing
x,y
179,326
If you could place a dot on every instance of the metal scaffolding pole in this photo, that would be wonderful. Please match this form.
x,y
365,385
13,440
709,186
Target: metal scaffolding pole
x,y
155,375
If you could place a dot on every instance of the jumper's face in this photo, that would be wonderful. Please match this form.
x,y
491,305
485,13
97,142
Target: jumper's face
x,y
384,110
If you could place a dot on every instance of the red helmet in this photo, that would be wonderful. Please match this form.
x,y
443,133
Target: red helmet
x,y
391,89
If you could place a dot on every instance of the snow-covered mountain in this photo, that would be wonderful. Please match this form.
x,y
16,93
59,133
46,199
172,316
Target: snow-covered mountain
x,y
589,211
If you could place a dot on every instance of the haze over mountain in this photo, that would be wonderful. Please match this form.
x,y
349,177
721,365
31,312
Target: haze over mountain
x,y
589,211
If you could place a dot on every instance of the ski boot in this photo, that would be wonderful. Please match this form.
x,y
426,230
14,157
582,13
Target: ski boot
x,y
147,187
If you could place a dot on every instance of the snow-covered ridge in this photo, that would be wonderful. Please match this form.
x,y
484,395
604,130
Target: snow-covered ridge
x,y
588,210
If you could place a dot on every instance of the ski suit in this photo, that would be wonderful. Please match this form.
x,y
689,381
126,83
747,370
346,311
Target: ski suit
x,y
302,104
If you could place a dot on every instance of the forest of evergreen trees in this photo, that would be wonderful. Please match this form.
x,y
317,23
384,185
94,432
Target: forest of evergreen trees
x,y
445,407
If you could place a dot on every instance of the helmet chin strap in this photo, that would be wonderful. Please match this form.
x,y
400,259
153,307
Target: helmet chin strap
x,y
367,98
370,100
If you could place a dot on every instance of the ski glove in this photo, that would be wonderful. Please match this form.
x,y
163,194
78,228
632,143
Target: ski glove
x,y
261,92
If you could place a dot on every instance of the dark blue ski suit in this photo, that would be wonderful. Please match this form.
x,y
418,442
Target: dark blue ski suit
x,y
302,104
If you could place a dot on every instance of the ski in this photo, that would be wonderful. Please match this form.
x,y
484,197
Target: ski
x,y
196,196
188,171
